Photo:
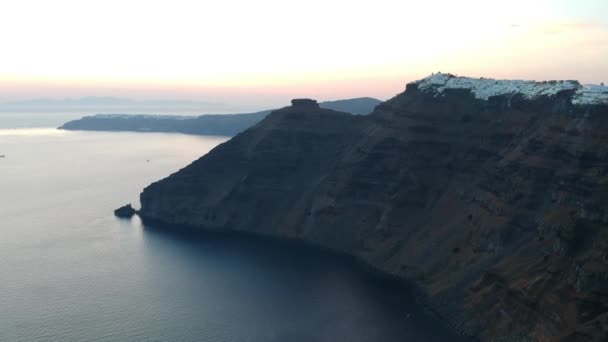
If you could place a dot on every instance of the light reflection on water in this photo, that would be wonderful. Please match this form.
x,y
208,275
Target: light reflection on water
x,y
31,131
70,271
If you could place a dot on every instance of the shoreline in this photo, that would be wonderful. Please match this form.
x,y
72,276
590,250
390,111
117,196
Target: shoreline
x,y
416,292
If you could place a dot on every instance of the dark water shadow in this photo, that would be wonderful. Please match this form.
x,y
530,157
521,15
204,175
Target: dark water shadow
x,y
400,306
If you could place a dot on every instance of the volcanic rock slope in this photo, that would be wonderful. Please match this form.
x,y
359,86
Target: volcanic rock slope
x,y
491,196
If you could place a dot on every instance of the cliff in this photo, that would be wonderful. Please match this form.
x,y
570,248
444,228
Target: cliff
x,y
489,195
209,124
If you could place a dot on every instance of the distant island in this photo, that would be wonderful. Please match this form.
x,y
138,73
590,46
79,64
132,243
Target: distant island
x,y
209,124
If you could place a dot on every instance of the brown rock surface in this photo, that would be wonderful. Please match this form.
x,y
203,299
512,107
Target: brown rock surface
x,y
496,208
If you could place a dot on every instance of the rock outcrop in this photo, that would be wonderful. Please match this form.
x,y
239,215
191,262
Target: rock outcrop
x,y
126,211
305,104
495,206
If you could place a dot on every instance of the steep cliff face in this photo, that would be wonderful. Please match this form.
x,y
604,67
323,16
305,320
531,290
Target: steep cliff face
x,y
491,200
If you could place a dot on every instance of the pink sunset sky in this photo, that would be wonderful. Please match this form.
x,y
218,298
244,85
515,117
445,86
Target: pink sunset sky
x,y
260,54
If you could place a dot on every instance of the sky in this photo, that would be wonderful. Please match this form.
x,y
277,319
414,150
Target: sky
x,y
262,53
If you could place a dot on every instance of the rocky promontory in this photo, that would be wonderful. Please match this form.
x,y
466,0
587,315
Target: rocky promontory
x,y
491,196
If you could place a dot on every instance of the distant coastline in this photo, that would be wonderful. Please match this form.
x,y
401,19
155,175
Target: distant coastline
x,y
210,124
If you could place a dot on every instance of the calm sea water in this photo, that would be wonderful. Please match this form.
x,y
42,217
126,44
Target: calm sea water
x,y
70,271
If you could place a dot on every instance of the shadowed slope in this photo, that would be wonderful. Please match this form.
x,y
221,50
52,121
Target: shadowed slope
x,y
494,206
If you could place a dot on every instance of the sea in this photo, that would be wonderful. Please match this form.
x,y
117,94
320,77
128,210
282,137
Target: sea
x,y
71,271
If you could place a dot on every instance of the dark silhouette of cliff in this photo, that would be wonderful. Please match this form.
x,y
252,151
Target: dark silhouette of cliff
x,y
491,197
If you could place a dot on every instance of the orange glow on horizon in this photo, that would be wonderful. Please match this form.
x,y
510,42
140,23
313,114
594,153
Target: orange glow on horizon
x,y
271,50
